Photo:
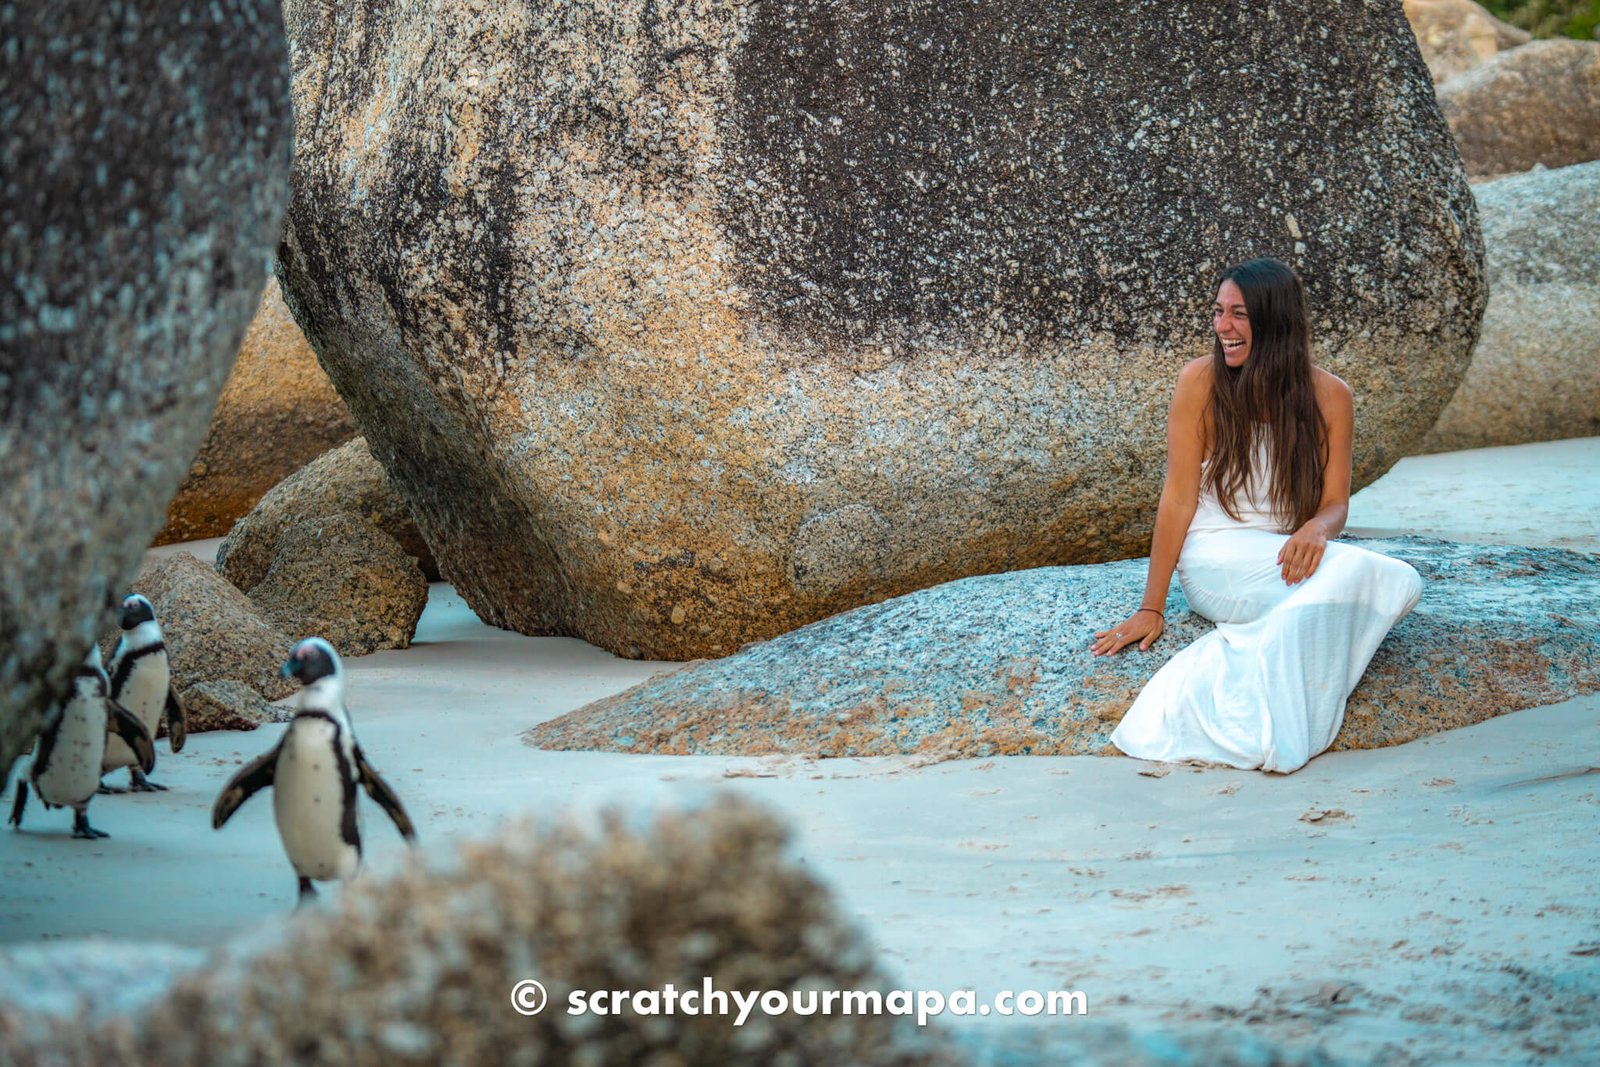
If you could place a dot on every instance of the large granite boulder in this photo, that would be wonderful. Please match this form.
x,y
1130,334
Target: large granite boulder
x,y
278,412
422,968
1538,105
685,326
1535,375
1457,35
146,165
345,481
999,665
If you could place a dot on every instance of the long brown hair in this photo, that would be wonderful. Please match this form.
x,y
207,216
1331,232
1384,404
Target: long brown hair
x,y
1272,393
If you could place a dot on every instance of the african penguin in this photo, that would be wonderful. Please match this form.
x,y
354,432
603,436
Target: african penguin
x,y
141,681
67,760
313,772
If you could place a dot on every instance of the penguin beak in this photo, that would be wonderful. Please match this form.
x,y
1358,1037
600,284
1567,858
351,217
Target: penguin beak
x,y
290,669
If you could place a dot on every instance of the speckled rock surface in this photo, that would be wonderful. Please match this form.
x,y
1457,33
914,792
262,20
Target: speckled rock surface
x,y
213,632
227,704
278,412
342,578
685,326
1535,375
1534,105
343,481
419,969
999,665
1457,35
128,274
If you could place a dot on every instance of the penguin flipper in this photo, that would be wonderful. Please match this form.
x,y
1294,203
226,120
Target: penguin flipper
x,y
379,791
251,779
177,720
126,725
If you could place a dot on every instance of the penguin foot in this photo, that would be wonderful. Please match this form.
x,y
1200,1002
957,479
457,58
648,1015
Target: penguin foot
x,y
111,790
83,831
308,894
138,783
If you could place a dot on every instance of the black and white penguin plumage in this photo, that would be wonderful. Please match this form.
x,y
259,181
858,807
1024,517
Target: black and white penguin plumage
x,y
67,758
141,681
313,772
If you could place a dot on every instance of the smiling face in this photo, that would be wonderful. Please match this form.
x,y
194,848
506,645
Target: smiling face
x,y
1232,324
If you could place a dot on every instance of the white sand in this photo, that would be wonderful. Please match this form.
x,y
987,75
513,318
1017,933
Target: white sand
x,y
1435,909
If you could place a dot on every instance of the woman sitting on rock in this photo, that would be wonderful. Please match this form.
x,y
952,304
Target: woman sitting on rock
x,y
1258,482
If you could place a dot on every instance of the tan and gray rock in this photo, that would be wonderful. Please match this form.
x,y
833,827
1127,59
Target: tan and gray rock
x,y
144,178
1535,375
1538,105
680,327
1457,35
225,704
213,632
278,412
1000,665
344,579
420,968
343,481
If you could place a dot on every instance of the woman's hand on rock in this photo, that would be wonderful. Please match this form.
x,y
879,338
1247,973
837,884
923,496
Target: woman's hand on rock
x,y
1302,553
1142,627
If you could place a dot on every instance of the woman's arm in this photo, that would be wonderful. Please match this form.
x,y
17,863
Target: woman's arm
x,y
1302,553
1180,494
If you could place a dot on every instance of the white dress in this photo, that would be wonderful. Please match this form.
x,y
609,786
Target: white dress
x,y
1267,688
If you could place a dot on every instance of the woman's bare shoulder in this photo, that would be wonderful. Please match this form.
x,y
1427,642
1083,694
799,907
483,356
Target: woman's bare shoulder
x,y
1333,394
1328,384
1196,373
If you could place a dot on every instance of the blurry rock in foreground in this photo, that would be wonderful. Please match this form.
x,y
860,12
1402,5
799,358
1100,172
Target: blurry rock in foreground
x,y
999,665
1538,105
146,154
342,578
684,325
420,968
1458,35
277,412
343,481
1535,375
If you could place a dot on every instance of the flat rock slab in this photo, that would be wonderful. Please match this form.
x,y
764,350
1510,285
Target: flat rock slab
x,y
999,665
